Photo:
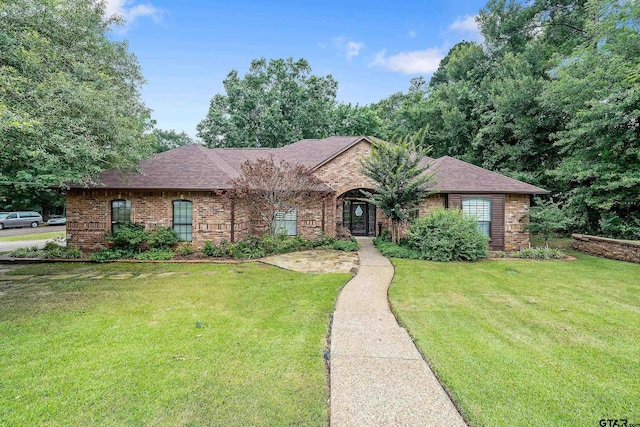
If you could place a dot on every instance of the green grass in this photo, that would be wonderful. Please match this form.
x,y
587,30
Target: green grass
x,y
161,344
562,243
528,343
37,236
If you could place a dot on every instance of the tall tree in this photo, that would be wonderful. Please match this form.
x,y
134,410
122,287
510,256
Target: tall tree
x,y
355,120
166,140
69,98
600,141
277,102
402,180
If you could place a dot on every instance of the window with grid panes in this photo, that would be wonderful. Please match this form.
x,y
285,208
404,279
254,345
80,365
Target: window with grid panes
x,y
120,212
287,222
183,219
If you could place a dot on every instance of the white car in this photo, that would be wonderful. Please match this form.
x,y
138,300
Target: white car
x,y
55,220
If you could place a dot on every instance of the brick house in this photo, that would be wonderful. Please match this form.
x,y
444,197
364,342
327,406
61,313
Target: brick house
x,y
188,189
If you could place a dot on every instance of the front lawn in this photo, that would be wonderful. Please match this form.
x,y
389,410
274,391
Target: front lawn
x,y
160,344
34,236
528,343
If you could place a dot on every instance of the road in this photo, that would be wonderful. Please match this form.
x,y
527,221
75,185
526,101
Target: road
x,y
28,230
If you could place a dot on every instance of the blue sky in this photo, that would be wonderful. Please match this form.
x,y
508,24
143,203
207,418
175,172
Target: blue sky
x,y
373,49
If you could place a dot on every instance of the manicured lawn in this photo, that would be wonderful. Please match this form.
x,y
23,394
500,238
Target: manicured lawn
x,y
36,236
528,343
162,344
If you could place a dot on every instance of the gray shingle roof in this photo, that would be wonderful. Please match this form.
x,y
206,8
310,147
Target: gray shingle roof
x,y
194,167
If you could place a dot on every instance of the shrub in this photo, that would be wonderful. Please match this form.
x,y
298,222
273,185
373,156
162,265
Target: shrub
x,y
31,252
128,236
280,244
343,233
246,249
185,249
156,254
345,245
50,246
163,238
109,254
213,250
51,250
540,253
55,251
448,235
391,250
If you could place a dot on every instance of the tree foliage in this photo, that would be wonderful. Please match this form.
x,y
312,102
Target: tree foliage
x,y
552,98
275,103
69,98
401,179
275,188
166,140
547,217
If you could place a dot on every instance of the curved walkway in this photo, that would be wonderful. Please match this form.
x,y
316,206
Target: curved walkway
x,y
378,377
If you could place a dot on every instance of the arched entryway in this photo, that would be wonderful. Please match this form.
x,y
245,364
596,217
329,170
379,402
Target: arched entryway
x,y
358,215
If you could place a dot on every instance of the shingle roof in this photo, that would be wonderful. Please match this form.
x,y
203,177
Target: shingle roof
x,y
455,176
194,167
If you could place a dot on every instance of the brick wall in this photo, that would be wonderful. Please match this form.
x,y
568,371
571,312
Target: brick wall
x,y
311,219
622,250
516,217
89,214
343,172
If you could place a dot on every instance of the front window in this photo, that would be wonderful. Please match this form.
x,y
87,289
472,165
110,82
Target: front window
x,y
481,210
287,222
120,212
183,219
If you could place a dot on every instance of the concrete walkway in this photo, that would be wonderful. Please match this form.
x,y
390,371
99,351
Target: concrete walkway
x,y
378,377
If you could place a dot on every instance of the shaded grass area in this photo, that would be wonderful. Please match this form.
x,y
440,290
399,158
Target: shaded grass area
x,y
528,343
161,344
558,242
35,236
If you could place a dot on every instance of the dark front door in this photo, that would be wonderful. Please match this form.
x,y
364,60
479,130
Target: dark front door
x,y
359,218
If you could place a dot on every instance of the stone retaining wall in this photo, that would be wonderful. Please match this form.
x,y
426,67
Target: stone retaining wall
x,y
622,250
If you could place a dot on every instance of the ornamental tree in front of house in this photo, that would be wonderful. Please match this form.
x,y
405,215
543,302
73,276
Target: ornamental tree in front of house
x,y
401,180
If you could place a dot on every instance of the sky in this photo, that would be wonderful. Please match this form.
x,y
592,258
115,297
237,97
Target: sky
x,y
372,48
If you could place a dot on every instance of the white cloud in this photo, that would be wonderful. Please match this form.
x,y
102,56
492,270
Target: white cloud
x,y
468,27
413,34
131,12
414,62
351,49
466,23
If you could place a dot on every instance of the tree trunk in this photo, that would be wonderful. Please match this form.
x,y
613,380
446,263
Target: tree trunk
x,y
395,232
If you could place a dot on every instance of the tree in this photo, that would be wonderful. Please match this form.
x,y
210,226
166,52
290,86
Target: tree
x,y
276,103
69,98
275,188
547,217
166,140
354,120
402,180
